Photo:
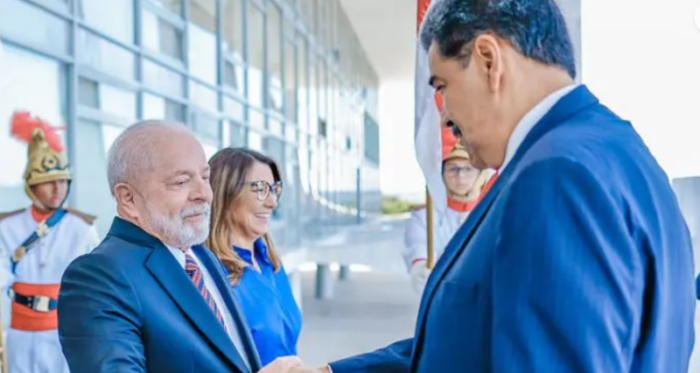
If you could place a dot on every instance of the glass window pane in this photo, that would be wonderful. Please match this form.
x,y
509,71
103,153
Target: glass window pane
x,y
274,53
234,75
234,109
87,93
204,97
206,126
107,98
322,91
174,6
237,134
174,111
313,98
102,55
161,36
113,17
274,126
306,8
303,84
36,84
155,107
255,141
233,28
202,40
210,147
290,87
24,22
257,119
161,78
256,54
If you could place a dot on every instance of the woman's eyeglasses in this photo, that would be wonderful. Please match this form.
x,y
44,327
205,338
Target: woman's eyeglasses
x,y
263,189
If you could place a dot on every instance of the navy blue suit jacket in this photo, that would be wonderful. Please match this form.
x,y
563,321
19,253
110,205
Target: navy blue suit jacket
x,y
130,307
577,260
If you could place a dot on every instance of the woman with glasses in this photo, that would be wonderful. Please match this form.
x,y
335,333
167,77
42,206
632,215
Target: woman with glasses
x,y
247,187
464,184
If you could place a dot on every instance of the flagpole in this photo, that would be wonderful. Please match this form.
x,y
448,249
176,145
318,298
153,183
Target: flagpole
x,y
430,263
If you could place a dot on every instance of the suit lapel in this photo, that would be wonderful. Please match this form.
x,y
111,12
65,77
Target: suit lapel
x,y
236,314
163,266
576,101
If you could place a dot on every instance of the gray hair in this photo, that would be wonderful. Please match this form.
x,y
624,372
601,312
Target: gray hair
x,y
130,154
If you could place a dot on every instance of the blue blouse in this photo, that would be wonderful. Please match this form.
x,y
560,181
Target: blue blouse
x,y
268,305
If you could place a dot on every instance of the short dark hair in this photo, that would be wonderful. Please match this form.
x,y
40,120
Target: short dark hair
x,y
535,28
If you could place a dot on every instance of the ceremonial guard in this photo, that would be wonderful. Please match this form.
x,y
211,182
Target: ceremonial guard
x,y
36,245
464,184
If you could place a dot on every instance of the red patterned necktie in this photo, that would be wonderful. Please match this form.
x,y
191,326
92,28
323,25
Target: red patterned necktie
x,y
192,269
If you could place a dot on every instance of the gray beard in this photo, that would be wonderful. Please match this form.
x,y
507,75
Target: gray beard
x,y
173,229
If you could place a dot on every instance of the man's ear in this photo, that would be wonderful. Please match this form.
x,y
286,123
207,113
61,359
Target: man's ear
x,y
489,54
126,199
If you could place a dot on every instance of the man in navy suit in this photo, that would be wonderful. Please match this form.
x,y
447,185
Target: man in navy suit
x,y
577,259
149,299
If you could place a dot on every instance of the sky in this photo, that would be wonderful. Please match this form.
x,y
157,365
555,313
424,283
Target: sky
x,y
640,57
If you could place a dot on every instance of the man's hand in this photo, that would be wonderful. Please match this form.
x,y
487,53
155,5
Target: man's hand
x,y
310,370
419,276
285,364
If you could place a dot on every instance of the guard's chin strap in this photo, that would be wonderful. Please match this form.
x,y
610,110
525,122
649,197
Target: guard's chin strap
x,y
40,206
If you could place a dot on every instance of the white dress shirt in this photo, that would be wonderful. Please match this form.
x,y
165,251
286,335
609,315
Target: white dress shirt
x,y
218,299
529,120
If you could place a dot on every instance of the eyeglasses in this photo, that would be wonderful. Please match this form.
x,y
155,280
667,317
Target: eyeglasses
x,y
454,171
263,189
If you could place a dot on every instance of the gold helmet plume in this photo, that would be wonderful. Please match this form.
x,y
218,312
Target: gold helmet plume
x,y
46,161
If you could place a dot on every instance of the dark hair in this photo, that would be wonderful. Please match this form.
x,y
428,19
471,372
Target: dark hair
x,y
229,169
535,28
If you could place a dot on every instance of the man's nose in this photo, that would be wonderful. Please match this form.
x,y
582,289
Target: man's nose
x,y
202,191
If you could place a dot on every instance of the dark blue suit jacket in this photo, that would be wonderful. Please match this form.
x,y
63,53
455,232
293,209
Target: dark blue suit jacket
x,y
130,307
577,260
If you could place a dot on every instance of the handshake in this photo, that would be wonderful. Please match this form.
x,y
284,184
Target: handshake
x,y
290,364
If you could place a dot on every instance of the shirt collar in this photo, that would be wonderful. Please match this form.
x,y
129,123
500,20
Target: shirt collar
x,y
260,252
528,122
178,254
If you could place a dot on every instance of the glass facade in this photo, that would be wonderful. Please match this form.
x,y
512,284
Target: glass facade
x,y
285,77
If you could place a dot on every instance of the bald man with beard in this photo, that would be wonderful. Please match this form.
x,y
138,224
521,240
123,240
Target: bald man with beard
x,y
150,298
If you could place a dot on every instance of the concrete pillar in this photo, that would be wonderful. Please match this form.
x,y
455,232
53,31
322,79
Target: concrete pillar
x,y
344,274
324,281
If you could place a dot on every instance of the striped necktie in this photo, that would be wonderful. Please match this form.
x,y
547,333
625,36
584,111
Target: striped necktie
x,y
192,269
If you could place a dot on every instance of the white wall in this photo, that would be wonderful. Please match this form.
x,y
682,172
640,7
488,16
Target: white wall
x,y
642,59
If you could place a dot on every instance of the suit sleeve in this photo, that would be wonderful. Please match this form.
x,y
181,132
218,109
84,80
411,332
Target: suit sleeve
x,y
98,318
415,238
567,275
395,358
